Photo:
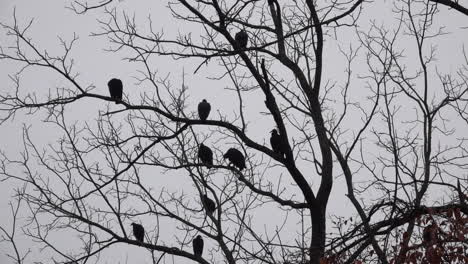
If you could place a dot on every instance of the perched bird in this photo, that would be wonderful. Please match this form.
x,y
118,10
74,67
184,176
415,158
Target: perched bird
x,y
242,39
430,233
235,157
204,109
277,143
138,232
205,155
115,89
461,195
198,246
270,2
209,204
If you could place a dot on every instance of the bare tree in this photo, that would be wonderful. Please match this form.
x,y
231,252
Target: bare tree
x,y
390,131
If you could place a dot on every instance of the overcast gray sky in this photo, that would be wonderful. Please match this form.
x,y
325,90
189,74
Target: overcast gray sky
x,y
96,67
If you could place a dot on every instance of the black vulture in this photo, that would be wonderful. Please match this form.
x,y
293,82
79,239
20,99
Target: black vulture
x,y
242,39
138,232
461,195
236,158
205,155
430,233
115,89
209,204
277,143
198,246
204,109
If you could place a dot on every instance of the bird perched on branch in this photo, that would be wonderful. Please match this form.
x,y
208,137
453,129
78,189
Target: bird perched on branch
x,y
138,232
430,233
235,157
198,246
277,143
209,204
463,197
115,89
205,154
241,39
204,109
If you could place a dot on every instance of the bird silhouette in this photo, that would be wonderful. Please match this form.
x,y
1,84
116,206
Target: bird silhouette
x,y
461,196
209,204
204,109
235,157
430,233
115,89
138,232
198,246
241,39
277,143
205,155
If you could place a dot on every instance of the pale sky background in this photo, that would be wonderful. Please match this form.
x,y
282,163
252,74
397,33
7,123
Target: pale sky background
x,y
97,67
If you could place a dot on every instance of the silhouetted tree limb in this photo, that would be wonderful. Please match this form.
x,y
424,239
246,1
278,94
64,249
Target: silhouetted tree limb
x,y
452,4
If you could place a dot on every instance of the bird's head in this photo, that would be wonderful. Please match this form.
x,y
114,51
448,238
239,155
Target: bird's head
x,y
114,80
273,131
134,224
204,100
228,153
